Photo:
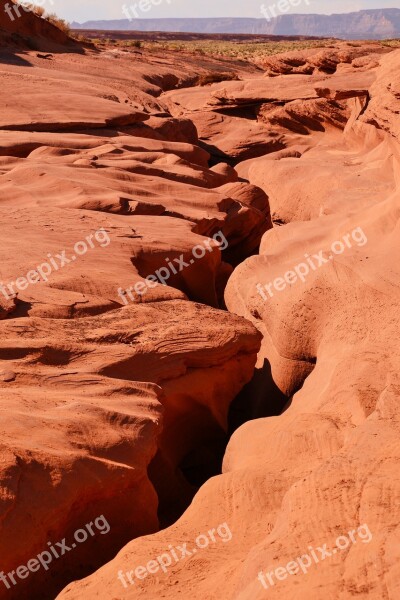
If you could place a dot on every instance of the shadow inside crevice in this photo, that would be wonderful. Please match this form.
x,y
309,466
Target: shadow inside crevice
x,y
259,398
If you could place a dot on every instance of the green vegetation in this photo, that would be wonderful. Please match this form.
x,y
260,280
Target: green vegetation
x,y
392,43
252,50
239,50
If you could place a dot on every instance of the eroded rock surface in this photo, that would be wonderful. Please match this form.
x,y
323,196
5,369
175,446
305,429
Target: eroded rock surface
x,y
326,467
115,389
114,381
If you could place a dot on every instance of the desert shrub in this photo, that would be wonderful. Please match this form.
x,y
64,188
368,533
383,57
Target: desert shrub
x,y
247,50
177,47
132,44
394,43
57,22
38,10
81,38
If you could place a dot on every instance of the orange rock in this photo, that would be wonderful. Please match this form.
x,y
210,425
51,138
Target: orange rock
x,y
325,471
118,397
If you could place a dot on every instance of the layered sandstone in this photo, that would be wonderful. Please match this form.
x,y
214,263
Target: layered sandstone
x,y
114,402
119,389
328,464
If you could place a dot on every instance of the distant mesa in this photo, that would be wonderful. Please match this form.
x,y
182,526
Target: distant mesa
x,y
364,24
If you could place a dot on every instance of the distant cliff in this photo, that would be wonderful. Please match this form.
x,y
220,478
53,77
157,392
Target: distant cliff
x,y
365,24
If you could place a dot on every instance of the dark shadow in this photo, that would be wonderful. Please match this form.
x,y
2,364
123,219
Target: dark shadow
x,y
260,398
261,149
9,58
176,487
21,310
249,111
216,155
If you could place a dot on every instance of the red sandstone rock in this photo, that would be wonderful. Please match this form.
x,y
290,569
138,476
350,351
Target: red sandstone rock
x,y
24,29
328,464
116,406
108,385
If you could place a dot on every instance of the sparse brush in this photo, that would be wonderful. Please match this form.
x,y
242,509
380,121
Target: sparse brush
x,y
237,50
248,50
59,23
37,10
81,38
132,44
395,43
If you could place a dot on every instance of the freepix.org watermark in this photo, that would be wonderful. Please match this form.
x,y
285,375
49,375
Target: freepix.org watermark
x,y
13,9
280,8
301,271
143,6
162,274
306,561
43,271
55,551
175,554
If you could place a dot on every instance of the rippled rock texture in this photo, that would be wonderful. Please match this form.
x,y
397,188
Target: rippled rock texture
x,y
177,261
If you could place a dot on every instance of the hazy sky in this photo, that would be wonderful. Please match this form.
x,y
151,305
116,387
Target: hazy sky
x,y
82,10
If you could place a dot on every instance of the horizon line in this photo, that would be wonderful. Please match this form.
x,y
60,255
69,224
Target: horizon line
x,y
250,18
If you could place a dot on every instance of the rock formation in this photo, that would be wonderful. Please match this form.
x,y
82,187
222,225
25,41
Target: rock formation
x,y
319,471
178,260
